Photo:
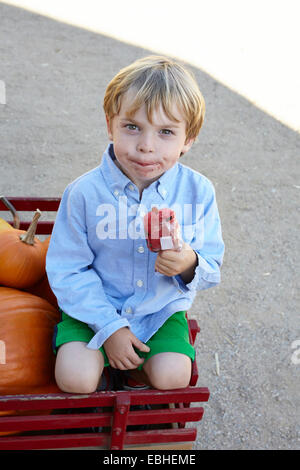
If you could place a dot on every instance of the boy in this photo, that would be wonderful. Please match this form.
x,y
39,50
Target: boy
x,y
123,305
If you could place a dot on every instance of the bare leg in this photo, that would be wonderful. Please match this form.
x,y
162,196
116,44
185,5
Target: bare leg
x,y
168,370
78,369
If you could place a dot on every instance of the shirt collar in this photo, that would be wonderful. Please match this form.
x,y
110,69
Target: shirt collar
x,y
117,181
166,182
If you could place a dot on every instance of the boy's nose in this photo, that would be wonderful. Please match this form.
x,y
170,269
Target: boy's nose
x,y
145,145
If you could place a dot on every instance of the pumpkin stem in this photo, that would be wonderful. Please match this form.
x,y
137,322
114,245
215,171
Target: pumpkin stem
x,y
28,237
12,210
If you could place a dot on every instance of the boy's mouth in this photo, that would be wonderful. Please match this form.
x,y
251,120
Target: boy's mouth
x,y
145,163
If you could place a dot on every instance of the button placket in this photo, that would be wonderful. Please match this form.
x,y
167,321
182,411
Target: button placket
x,y
140,270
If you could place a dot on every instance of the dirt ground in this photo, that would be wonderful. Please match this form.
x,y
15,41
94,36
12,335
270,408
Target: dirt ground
x,y
52,129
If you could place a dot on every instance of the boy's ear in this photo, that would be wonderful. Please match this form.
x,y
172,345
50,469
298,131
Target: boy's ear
x,y
187,146
109,127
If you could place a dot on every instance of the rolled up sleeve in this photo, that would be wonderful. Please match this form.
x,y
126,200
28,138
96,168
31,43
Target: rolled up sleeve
x,y
77,286
208,245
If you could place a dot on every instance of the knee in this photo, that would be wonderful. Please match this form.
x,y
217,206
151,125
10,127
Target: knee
x,y
79,383
169,382
78,369
168,378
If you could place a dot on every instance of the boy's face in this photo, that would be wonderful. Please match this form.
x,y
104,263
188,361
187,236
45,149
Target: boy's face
x,y
144,151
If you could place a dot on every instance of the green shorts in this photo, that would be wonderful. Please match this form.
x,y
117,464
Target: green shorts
x,y
172,336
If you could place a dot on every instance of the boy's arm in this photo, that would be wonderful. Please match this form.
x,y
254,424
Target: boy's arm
x,y
77,286
197,265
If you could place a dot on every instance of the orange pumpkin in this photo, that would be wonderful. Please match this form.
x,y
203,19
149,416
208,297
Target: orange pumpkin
x,y
42,289
26,329
22,257
5,226
27,360
46,244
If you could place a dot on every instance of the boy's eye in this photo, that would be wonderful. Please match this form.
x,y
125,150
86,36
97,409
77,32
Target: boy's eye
x,y
166,131
131,127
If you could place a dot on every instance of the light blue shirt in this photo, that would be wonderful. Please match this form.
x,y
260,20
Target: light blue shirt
x,y
98,263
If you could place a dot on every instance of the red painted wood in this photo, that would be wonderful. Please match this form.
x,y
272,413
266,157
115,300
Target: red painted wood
x,y
32,203
65,400
120,414
95,439
61,421
54,441
67,421
43,227
56,401
172,415
160,435
194,329
194,375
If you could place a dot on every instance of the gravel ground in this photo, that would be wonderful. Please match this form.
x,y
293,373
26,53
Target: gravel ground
x,y
53,130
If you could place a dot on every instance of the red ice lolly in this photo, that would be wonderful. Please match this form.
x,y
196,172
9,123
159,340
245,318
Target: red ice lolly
x,y
162,230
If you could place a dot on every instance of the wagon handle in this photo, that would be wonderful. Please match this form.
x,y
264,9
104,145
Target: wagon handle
x,y
10,207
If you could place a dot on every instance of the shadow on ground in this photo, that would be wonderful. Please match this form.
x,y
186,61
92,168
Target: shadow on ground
x,y
53,130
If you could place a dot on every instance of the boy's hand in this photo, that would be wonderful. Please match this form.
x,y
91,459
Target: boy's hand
x,y
171,263
120,351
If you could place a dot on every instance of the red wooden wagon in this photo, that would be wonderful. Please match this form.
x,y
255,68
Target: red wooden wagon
x,y
145,419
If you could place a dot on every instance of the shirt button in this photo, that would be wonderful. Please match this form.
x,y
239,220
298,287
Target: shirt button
x,y
164,192
128,310
116,193
139,283
131,187
141,249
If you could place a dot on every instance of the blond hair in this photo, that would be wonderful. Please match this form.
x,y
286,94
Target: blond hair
x,y
158,80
